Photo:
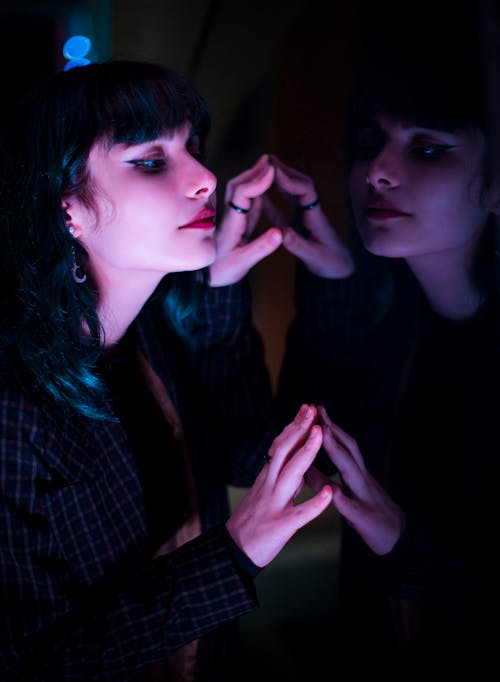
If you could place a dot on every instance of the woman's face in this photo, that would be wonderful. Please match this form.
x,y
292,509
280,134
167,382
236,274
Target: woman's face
x,y
153,209
417,191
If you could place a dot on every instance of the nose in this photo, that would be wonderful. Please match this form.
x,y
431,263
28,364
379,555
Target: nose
x,y
202,182
383,171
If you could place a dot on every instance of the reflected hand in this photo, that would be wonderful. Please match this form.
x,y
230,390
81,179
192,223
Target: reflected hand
x,y
236,253
268,517
322,251
366,506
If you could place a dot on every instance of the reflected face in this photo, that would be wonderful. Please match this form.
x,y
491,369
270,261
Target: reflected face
x,y
154,208
417,191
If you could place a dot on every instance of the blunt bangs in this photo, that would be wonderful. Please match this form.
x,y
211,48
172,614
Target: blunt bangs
x,y
117,102
137,102
440,99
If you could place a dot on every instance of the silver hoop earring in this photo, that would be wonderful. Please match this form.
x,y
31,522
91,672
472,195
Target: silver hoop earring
x,y
75,269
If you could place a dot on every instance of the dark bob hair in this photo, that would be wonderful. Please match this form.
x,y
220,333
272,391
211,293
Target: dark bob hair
x,y
45,156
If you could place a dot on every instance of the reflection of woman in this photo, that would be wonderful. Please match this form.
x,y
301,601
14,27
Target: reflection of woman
x,y
404,355
131,392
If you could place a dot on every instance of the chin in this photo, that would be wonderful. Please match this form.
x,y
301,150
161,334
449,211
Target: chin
x,y
383,245
199,263
385,251
210,258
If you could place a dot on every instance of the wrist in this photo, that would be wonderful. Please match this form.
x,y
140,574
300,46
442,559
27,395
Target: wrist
x,y
242,562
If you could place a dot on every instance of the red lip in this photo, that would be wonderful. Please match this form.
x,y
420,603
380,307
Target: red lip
x,y
204,220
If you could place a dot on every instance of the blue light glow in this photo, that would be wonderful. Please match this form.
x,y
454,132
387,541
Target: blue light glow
x,y
77,47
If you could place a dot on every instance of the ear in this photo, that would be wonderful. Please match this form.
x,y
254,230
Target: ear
x,y
75,215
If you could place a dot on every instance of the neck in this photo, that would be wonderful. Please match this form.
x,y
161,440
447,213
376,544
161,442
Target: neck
x,y
446,280
121,302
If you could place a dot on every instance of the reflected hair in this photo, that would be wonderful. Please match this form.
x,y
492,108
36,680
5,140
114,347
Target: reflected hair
x,y
430,91
440,94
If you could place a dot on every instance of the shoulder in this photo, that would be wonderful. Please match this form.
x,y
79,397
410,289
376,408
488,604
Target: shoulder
x,y
37,439
22,435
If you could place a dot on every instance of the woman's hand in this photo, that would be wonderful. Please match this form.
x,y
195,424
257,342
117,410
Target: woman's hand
x,y
236,253
322,251
365,505
268,517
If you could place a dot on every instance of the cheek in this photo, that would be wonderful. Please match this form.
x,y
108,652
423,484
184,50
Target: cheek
x,y
456,210
150,204
134,215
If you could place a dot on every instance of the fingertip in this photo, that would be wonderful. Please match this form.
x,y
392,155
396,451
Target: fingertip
x,y
326,493
339,500
271,171
321,415
265,161
338,496
263,245
288,236
316,430
274,235
303,411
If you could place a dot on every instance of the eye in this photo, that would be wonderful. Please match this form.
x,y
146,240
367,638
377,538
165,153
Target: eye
x,y
431,152
149,165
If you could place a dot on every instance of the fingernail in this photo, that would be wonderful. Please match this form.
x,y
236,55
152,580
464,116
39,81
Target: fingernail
x,y
304,412
275,236
326,492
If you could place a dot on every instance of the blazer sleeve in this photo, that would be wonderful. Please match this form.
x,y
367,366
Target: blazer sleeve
x,y
231,382
80,600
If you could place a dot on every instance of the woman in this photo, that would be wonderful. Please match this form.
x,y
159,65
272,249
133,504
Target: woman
x,y
132,391
398,339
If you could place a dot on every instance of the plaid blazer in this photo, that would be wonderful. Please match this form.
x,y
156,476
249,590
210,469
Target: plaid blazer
x,y
80,598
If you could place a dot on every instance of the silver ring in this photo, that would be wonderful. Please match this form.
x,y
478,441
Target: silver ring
x,y
238,208
308,207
